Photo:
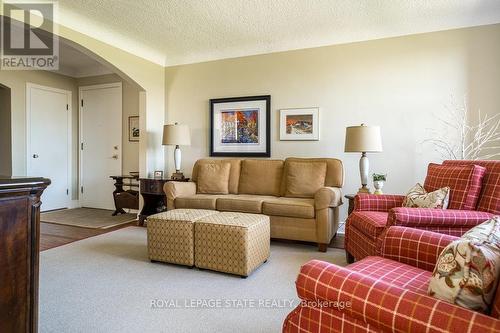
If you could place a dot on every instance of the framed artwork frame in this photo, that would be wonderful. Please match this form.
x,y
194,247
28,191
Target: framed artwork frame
x,y
158,174
300,124
134,133
240,126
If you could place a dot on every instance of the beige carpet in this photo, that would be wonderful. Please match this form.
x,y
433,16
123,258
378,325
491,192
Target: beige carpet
x,y
87,218
107,284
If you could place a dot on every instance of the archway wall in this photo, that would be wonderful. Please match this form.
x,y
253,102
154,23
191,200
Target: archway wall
x,y
150,77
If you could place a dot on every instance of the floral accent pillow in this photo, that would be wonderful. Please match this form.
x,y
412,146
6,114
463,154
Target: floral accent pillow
x,y
418,197
468,269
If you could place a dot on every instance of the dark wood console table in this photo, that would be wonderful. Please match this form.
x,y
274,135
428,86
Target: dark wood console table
x,y
155,200
125,198
19,252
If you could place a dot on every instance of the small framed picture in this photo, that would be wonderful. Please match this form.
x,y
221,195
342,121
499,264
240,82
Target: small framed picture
x,y
133,128
158,175
299,124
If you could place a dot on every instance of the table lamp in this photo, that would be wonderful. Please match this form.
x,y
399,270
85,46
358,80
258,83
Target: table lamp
x,y
178,135
363,139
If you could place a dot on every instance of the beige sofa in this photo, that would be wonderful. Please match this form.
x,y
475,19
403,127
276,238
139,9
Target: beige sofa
x,y
301,196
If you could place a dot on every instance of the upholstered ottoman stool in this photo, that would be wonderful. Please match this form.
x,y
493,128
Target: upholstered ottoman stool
x,y
170,235
235,243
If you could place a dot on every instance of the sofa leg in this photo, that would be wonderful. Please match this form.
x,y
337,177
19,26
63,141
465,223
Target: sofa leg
x,y
349,257
322,247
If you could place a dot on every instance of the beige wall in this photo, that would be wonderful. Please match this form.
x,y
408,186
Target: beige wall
x,y
130,102
401,84
5,133
16,81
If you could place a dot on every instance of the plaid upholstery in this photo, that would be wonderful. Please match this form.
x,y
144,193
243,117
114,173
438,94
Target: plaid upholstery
x,y
465,182
495,311
377,203
393,272
414,247
490,194
362,232
429,217
376,305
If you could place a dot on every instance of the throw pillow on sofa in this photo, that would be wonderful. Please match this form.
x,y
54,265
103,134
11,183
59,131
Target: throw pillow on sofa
x,y
467,270
214,178
303,180
418,197
464,182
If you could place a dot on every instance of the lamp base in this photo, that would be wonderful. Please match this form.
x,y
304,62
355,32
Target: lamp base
x,y
177,176
364,189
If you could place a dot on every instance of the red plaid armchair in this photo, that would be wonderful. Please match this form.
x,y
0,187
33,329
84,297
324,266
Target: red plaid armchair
x,y
383,294
373,214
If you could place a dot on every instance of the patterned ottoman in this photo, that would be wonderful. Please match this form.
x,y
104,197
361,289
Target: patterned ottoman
x,y
170,235
235,243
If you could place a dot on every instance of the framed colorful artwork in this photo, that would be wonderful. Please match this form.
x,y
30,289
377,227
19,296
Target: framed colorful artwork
x,y
133,128
240,126
299,124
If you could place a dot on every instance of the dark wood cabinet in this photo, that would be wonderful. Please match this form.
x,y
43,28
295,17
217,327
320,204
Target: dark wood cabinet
x,y
155,200
19,252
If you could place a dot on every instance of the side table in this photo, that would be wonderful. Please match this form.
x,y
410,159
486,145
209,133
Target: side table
x,y
155,200
350,197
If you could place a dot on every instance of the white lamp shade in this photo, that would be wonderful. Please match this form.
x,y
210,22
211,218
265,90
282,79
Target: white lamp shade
x,y
176,134
363,139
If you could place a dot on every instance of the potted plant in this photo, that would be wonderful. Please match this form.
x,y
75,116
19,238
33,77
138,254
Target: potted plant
x,y
378,182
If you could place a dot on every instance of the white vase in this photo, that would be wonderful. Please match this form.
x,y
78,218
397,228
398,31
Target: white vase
x,y
378,184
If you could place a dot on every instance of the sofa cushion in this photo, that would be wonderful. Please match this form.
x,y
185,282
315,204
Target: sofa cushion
x,y
234,173
213,178
261,177
197,201
393,272
418,197
304,179
468,269
464,183
490,193
334,171
244,203
289,207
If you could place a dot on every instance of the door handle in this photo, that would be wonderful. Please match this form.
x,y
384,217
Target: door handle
x,y
35,155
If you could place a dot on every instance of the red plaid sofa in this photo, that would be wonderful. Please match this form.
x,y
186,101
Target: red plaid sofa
x,y
373,214
386,293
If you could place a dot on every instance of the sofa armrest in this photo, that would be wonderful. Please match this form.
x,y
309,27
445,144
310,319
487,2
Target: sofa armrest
x,y
429,217
377,203
415,247
327,197
387,307
178,189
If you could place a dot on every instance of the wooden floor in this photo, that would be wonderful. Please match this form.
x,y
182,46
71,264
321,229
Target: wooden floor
x,y
54,235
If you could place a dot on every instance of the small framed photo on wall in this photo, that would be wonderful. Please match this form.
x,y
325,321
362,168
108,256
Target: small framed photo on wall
x,y
158,175
133,128
299,124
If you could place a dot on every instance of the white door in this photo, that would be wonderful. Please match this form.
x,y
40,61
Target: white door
x,y
100,143
48,115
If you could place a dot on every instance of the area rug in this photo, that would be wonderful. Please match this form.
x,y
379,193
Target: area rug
x,y
87,218
107,284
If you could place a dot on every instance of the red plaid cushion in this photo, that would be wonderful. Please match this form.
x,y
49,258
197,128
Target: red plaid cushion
x,y
420,217
385,306
418,248
395,273
464,181
490,194
377,203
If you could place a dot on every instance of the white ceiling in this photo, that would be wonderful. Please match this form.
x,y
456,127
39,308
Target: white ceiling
x,y
76,64
171,32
